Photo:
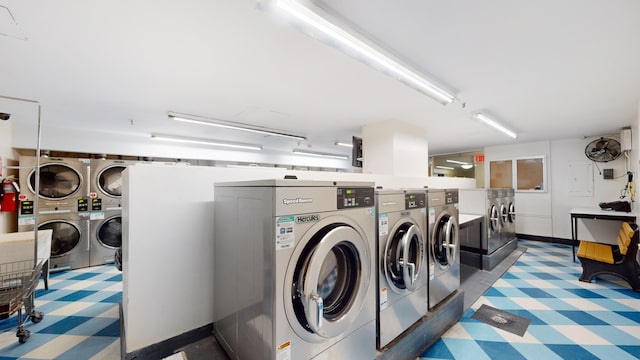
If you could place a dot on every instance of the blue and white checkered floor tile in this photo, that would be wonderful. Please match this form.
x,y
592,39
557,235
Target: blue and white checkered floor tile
x,y
81,318
569,319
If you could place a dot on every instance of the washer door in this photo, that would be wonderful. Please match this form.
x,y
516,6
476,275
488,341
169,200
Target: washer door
x,y
329,282
403,257
65,237
57,181
109,233
512,213
110,180
445,240
494,219
504,214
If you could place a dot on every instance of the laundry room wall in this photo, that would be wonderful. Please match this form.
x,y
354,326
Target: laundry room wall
x,y
573,181
168,242
534,209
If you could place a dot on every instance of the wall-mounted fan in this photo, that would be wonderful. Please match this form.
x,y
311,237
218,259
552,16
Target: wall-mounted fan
x,y
603,150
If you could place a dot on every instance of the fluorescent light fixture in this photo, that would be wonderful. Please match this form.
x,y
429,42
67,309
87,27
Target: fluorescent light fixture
x,y
348,41
489,121
189,140
457,162
313,153
344,143
466,166
444,167
233,125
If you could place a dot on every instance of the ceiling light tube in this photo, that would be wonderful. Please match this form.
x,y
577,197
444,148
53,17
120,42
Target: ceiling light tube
x,y
489,121
444,167
312,153
189,140
320,23
457,162
344,143
233,125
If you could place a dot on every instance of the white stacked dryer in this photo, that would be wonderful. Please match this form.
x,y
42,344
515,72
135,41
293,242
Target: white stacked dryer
x,y
106,209
294,269
402,269
444,254
63,189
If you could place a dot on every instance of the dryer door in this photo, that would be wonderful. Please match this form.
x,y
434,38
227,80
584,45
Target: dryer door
x,y
403,257
65,237
110,180
504,215
57,181
330,282
109,233
445,240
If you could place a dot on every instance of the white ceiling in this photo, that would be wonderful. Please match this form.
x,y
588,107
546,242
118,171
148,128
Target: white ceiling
x,y
547,69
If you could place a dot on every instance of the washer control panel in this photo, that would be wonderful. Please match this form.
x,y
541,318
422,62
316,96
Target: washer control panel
x,y
415,200
355,197
451,196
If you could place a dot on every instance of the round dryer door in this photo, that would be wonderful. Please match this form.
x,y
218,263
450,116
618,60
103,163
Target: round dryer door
x,y
65,236
494,218
512,213
110,180
57,181
329,282
109,233
445,240
403,257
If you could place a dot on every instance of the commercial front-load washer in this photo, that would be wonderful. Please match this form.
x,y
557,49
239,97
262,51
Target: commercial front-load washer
x,y
444,255
484,202
63,181
106,183
507,215
401,262
69,240
294,269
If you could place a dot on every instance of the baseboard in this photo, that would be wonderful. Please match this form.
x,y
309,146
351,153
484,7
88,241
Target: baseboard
x,y
170,346
545,239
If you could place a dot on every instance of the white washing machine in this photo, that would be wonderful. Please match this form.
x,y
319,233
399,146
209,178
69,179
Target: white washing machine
x,y
70,248
294,269
63,181
444,254
401,262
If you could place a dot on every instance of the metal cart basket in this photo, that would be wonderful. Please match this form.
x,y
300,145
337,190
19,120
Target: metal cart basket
x,y
18,281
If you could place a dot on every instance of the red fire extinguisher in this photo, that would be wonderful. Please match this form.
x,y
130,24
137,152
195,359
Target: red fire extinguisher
x,y
9,195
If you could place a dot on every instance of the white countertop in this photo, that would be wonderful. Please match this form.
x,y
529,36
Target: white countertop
x,y
465,218
598,211
19,246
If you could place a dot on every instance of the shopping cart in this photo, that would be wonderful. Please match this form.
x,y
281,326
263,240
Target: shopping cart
x,y
18,281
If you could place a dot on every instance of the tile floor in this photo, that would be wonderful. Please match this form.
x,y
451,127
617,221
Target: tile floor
x,y
569,319
81,318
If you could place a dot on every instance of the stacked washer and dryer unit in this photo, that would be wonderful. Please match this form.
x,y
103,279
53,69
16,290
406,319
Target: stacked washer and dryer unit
x,y
69,205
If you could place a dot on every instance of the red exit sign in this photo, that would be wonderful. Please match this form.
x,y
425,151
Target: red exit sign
x,y
479,158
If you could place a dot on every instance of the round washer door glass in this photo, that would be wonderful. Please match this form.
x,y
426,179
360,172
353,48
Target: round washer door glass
x,y
65,236
494,218
403,257
57,181
109,232
512,213
330,280
445,240
110,180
